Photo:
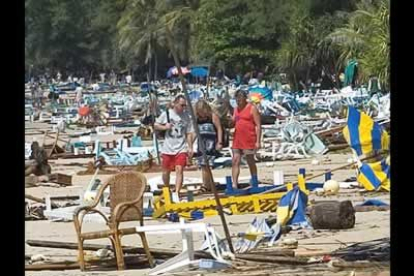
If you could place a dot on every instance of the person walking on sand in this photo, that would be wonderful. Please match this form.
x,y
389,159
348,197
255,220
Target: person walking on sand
x,y
246,119
178,143
211,134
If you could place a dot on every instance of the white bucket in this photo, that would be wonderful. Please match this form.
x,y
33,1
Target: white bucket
x,y
278,178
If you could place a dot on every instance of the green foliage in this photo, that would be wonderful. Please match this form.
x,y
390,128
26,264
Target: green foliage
x,y
366,38
298,37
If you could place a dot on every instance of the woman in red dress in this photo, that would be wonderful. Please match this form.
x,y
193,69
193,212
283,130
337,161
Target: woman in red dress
x,y
247,134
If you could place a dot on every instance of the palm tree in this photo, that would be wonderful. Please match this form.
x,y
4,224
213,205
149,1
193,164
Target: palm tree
x,y
296,53
139,32
366,38
179,16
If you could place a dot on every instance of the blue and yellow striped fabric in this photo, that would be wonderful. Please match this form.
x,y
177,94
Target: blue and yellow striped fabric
x,y
375,175
363,134
292,207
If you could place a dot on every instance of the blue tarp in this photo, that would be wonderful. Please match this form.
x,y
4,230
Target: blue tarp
x,y
199,71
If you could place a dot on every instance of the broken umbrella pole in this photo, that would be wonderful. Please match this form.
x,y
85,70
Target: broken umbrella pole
x,y
195,125
319,174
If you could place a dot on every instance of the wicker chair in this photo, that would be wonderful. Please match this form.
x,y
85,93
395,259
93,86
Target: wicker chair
x,y
126,204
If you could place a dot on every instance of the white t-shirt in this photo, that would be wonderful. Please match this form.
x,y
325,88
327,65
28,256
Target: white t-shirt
x,y
176,138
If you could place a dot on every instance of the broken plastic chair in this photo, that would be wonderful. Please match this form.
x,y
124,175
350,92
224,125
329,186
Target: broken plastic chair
x,y
186,257
294,138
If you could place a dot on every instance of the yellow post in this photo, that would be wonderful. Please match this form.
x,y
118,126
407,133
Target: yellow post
x,y
301,183
167,196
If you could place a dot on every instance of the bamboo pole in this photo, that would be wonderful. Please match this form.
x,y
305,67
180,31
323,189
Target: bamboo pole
x,y
213,187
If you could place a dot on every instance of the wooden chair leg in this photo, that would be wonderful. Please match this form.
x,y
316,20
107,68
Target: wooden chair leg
x,y
81,255
113,246
118,252
146,248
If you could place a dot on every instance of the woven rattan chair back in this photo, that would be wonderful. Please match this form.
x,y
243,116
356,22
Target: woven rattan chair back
x,y
124,187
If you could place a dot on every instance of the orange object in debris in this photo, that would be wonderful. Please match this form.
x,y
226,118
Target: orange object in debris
x,y
84,110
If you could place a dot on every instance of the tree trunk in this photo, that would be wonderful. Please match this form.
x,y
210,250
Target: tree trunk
x,y
333,215
156,66
295,83
149,70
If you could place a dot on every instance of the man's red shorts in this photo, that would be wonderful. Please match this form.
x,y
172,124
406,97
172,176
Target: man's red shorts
x,y
170,161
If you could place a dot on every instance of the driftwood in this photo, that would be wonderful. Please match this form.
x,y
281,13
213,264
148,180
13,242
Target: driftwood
x,y
66,265
333,215
272,259
158,253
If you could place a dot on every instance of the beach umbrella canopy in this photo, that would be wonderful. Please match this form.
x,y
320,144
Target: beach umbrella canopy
x,y
363,134
264,90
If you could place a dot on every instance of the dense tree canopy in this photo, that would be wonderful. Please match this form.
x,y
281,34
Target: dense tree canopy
x,y
298,37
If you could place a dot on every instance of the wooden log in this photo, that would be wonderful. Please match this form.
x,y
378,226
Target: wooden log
x,y
160,253
67,265
278,252
272,259
333,215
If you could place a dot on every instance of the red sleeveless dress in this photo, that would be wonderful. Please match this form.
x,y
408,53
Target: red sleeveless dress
x,y
245,128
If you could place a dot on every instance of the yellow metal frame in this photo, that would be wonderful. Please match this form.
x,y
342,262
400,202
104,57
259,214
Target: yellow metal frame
x,y
247,204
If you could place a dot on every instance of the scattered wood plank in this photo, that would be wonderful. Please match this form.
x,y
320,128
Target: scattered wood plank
x,y
313,253
338,147
371,208
67,265
61,179
275,252
272,259
40,200
158,253
70,156
360,264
